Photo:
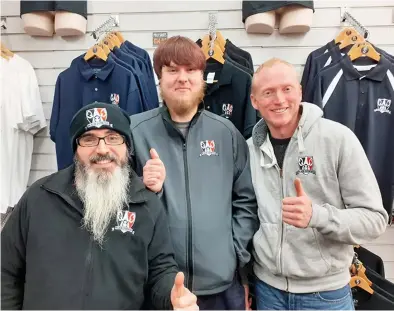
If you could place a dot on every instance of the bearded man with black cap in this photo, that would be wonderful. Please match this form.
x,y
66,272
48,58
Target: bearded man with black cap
x,y
91,236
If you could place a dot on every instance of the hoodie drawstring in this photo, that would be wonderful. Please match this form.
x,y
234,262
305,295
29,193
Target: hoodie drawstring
x,y
300,140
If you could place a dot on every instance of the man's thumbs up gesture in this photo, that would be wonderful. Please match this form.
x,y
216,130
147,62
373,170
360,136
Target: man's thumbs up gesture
x,y
154,172
181,297
297,211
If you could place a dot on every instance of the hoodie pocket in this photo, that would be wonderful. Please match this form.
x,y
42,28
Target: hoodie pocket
x,y
303,255
266,245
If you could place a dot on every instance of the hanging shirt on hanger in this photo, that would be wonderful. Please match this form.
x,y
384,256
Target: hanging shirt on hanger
x,y
363,102
22,116
82,84
233,49
229,97
233,54
132,48
323,57
138,75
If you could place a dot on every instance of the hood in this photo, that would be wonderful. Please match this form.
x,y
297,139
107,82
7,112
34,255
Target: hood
x,y
310,115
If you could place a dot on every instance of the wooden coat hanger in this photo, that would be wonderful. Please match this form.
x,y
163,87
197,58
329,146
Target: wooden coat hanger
x,y
5,52
109,43
351,40
218,53
358,281
347,32
95,51
364,49
114,39
119,36
358,269
220,40
105,48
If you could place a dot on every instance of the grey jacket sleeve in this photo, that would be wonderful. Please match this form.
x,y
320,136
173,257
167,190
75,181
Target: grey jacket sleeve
x,y
364,218
245,221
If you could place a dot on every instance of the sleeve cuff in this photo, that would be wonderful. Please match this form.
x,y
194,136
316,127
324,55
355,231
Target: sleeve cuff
x,y
319,216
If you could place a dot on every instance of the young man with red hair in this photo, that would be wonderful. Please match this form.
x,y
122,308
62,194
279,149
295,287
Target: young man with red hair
x,y
208,192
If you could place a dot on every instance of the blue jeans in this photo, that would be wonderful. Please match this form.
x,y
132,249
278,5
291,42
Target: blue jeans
x,y
270,298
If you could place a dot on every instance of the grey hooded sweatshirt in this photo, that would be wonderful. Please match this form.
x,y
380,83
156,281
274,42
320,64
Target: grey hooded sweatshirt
x,y
347,207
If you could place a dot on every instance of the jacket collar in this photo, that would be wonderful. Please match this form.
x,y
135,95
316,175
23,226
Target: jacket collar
x,y
167,117
63,183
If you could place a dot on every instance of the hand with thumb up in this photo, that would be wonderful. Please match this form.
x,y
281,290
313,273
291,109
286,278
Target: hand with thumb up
x,y
181,297
297,211
154,172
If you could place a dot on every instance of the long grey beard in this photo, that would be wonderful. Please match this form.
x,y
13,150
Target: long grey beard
x,y
103,194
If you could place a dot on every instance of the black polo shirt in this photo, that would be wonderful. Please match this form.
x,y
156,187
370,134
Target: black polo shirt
x,y
233,54
323,57
363,101
235,49
254,7
230,96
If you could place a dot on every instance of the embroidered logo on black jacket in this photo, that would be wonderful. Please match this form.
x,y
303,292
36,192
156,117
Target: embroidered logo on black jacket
x,y
125,221
305,165
227,110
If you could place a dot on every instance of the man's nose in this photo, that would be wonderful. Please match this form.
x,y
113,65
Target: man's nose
x,y
280,97
182,77
102,147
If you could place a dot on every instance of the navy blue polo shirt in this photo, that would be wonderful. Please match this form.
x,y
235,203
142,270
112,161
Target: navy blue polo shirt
x,y
130,47
230,96
82,84
323,57
363,101
139,78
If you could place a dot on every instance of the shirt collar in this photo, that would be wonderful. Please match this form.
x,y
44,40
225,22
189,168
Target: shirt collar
x,y
87,69
377,73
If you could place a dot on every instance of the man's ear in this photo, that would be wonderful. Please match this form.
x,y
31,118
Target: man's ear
x,y
253,101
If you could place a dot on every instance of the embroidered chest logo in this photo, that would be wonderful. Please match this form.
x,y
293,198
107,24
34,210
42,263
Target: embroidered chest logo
x,y
305,165
208,148
125,221
227,110
97,117
114,98
383,105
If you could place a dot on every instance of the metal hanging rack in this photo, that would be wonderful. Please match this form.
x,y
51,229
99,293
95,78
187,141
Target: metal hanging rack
x,y
356,24
111,23
3,23
212,31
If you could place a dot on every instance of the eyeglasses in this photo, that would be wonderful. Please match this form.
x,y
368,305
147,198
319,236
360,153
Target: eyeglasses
x,y
91,140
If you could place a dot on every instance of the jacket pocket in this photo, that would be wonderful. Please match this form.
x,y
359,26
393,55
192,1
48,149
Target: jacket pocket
x,y
266,245
303,255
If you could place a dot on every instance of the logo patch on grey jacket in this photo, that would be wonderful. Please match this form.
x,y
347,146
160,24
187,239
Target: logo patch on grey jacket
x,y
208,148
305,165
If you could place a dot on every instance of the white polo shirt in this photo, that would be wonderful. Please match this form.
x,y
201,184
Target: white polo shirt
x,y
21,116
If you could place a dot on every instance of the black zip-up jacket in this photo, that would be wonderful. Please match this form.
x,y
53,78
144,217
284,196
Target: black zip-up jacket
x,y
48,261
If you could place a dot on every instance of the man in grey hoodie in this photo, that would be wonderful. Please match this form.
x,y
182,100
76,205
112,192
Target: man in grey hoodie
x,y
317,197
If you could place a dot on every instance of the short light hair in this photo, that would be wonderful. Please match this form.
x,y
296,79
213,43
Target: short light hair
x,y
269,63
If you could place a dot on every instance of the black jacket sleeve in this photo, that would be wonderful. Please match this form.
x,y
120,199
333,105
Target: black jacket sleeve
x,y
162,265
13,255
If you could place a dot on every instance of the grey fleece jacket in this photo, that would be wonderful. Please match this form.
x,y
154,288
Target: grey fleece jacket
x,y
208,194
346,203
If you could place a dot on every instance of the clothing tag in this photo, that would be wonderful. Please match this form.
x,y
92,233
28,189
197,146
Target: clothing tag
x,y
96,70
210,77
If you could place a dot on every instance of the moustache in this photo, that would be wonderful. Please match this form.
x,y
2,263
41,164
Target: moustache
x,y
108,157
